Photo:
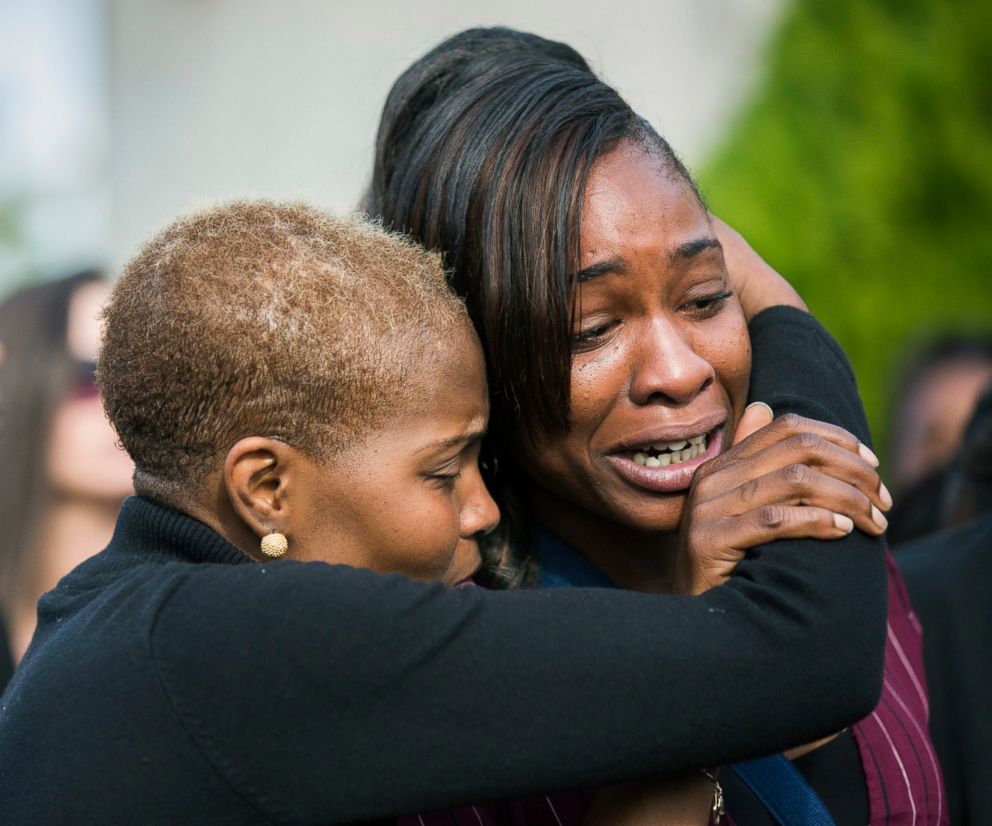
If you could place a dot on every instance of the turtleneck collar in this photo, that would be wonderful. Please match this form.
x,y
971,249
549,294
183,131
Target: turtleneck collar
x,y
145,526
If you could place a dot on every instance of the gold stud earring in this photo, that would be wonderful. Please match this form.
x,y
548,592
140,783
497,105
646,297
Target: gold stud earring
x,y
275,545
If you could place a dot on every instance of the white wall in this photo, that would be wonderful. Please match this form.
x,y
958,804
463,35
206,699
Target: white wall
x,y
217,98
54,200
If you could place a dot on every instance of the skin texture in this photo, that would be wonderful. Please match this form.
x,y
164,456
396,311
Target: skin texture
x,y
660,351
408,498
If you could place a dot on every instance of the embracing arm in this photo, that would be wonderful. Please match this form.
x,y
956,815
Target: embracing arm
x,y
327,694
798,369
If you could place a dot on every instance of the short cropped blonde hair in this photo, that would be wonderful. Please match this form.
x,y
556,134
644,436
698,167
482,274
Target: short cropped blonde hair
x,y
260,318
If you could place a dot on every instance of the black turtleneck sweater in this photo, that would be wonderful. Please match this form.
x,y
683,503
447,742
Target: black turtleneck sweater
x,y
173,680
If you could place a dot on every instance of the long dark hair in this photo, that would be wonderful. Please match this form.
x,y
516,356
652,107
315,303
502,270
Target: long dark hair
x,y
438,75
488,164
36,373
483,153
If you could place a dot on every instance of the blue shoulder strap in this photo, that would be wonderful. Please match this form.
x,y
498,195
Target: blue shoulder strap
x,y
783,791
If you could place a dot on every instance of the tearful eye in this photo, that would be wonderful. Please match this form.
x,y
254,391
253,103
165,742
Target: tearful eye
x,y
593,334
709,304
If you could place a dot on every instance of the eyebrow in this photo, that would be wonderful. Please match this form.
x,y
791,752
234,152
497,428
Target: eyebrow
x,y
616,265
690,249
611,265
454,441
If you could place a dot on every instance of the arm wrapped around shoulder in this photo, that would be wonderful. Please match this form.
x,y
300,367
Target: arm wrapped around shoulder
x,y
798,368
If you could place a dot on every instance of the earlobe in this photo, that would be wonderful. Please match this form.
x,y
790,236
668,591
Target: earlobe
x,y
256,477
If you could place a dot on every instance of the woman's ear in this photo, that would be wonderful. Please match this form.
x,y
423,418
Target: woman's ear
x,y
259,476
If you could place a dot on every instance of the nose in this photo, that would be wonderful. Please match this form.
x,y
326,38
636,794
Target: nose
x,y
666,366
480,514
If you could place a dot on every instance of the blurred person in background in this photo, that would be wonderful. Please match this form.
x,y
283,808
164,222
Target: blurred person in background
x,y
967,490
938,394
6,660
931,408
65,476
949,577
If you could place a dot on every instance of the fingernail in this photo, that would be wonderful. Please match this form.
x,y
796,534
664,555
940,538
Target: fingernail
x,y
843,523
867,455
878,519
761,404
885,496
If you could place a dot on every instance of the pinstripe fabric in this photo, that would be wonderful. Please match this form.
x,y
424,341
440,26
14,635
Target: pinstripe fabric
x,y
567,809
905,787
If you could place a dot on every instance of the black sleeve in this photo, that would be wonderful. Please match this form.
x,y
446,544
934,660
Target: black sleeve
x,y
330,694
798,367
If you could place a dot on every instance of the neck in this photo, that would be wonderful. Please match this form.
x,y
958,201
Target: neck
x,y
217,514
635,560
71,531
206,502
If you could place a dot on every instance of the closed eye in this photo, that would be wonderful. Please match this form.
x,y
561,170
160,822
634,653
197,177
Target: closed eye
x,y
593,335
708,305
444,480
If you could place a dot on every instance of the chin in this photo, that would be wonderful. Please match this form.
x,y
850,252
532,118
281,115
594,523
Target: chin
x,y
657,517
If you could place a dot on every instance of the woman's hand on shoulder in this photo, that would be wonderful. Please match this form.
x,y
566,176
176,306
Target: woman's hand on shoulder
x,y
757,285
789,477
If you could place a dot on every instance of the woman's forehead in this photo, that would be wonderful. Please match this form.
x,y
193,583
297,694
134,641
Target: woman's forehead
x,y
633,199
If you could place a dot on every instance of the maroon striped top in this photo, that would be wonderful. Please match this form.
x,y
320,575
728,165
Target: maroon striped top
x,y
905,786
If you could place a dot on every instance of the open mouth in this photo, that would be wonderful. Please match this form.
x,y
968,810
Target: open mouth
x,y
663,454
667,466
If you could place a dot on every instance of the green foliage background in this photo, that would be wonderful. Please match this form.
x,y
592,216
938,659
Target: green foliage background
x,y
862,170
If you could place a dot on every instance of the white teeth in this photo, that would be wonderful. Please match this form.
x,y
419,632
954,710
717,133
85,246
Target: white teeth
x,y
672,453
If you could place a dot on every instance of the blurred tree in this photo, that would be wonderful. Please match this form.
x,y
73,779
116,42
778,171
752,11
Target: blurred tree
x,y
862,170
15,268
